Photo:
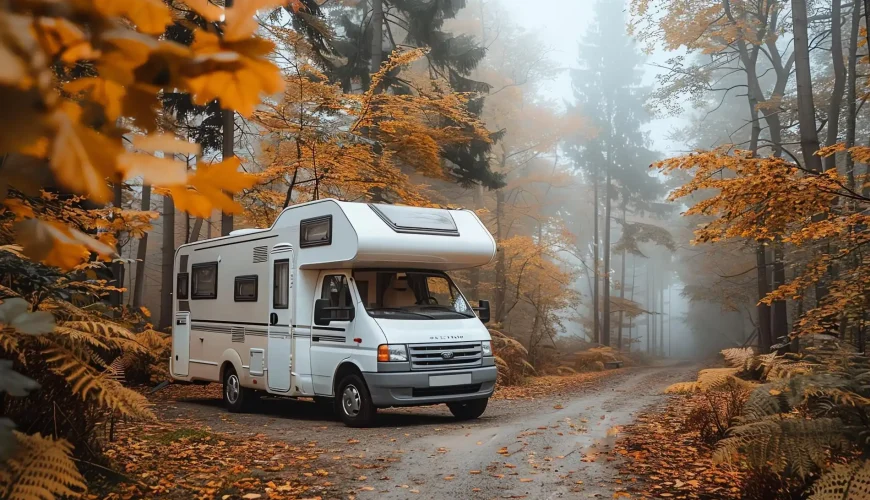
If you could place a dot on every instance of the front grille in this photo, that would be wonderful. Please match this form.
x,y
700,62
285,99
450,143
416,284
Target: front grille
x,y
430,356
445,391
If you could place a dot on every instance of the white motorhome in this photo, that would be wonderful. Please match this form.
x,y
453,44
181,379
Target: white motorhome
x,y
347,303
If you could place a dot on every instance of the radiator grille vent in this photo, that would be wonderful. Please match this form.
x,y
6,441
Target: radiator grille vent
x,y
261,254
238,333
445,356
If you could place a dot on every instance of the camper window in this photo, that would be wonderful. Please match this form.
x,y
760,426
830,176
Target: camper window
x,y
337,291
315,232
281,292
182,286
245,288
204,281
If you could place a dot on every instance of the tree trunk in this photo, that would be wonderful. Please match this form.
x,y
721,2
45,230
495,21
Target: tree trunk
x,y
141,253
621,288
780,309
662,317
377,25
500,279
633,277
596,302
228,150
197,228
806,107
649,307
764,340
167,292
839,82
654,317
117,298
851,96
605,330
474,274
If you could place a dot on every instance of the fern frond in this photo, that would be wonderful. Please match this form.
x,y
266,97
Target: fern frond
x,y
8,341
738,356
79,336
103,329
844,482
782,443
682,388
41,468
86,382
154,340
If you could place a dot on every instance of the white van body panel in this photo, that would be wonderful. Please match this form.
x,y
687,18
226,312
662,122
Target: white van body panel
x,y
227,289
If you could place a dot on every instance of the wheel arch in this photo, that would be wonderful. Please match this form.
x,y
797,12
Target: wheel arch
x,y
346,367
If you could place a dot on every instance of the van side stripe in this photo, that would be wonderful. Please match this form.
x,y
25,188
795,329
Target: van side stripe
x,y
236,242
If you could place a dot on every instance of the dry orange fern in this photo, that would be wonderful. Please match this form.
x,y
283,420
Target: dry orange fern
x,y
41,468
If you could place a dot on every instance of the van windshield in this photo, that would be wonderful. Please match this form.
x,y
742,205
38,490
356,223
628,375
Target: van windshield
x,y
411,295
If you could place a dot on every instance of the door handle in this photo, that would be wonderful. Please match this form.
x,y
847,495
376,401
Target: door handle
x,y
273,319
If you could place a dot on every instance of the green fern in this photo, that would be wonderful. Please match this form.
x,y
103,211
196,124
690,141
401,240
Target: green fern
x,y
844,482
782,444
41,468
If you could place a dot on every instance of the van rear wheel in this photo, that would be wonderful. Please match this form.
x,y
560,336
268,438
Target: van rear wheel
x,y
235,396
353,403
468,410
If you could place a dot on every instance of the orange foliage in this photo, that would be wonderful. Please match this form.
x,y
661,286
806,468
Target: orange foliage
x,y
74,128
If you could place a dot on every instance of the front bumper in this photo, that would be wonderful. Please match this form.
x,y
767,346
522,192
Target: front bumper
x,y
411,388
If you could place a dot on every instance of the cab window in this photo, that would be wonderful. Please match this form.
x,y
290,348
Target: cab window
x,y
336,290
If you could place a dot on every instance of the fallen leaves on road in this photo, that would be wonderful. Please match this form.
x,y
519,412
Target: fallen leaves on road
x,y
672,461
538,387
173,460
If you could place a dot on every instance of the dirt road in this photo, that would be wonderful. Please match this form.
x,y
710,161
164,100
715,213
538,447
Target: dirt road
x,y
545,448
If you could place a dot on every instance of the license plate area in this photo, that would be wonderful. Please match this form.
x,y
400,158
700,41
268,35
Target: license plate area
x,y
445,380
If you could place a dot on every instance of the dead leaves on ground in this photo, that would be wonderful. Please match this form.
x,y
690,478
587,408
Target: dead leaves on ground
x,y
671,460
539,387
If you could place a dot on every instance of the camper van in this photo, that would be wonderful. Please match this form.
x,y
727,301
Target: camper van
x,y
346,303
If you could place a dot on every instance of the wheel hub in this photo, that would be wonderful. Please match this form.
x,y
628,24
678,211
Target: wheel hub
x,y
350,401
233,388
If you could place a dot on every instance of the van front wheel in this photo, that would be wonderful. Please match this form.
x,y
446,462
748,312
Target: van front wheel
x,y
468,410
353,403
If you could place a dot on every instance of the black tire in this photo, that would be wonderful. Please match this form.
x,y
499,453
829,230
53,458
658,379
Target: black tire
x,y
353,403
468,410
236,397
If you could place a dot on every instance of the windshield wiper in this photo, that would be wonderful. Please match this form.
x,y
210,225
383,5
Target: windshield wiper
x,y
447,309
403,311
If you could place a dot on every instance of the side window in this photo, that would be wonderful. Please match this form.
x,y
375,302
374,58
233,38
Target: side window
x,y
281,297
337,290
315,232
181,293
204,281
245,289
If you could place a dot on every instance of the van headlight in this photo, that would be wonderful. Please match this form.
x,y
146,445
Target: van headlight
x,y
486,348
392,352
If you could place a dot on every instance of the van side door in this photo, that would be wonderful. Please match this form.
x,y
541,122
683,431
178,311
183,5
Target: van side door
x,y
330,344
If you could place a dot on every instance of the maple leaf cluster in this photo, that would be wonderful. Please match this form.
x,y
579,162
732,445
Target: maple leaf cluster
x,y
79,79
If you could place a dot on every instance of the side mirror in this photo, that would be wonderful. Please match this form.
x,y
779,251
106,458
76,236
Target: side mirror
x,y
323,313
483,311
322,317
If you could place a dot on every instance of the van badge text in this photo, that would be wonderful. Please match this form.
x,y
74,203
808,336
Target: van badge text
x,y
446,337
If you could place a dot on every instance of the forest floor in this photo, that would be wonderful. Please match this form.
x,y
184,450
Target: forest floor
x,y
555,437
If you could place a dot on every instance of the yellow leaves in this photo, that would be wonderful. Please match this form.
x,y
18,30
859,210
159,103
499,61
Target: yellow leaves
x,y
206,189
236,71
81,157
107,93
150,16
56,244
165,142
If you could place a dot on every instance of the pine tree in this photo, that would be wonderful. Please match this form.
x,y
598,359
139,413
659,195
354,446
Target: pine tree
x,y
349,57
607,90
